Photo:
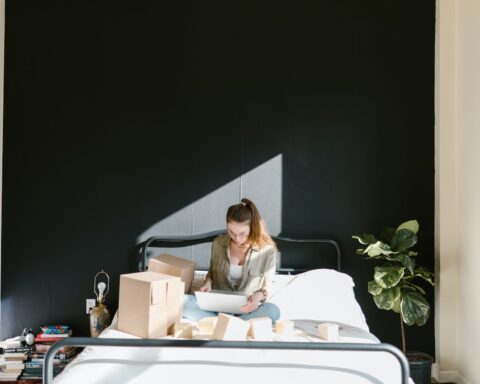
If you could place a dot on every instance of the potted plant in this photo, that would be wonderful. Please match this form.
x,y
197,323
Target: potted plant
x,y
395,284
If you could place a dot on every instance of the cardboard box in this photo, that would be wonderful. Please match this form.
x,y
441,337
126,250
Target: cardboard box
x,y
206,326
284,327
230,328
182,330
199,336
261,328
328,331
149,303
175,266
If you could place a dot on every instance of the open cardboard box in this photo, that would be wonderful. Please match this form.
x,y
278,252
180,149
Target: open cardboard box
x,y
175,266
149,303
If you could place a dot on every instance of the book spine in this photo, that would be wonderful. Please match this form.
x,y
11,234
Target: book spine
x,y
19,349
42,360
53,335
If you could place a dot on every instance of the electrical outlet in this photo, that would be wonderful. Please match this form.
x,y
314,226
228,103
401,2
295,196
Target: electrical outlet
x,y
90,304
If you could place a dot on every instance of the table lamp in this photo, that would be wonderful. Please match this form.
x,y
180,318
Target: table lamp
x,y
99,314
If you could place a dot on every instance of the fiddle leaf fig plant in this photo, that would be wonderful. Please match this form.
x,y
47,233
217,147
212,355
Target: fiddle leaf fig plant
x,y
394,286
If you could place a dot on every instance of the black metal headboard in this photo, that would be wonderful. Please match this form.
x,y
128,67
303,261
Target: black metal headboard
x,y
297,255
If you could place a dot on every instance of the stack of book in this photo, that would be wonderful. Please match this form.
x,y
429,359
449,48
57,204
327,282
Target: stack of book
x,y
34,367
12,362
43,342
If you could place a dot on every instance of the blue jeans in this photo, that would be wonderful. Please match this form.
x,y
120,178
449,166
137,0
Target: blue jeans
x,y
191,311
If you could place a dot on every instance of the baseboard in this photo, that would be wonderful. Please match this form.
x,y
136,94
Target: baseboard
x,y
447,376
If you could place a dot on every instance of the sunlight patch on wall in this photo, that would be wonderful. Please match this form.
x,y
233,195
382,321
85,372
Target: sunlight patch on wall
x,y
263,185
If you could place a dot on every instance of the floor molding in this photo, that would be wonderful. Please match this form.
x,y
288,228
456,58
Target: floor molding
x,y
448,376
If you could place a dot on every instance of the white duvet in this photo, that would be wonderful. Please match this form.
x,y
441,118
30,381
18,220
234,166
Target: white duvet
x,y
308,298
120,365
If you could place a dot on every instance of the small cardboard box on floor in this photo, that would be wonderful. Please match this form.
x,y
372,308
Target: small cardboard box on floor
x,y
149,303
175,266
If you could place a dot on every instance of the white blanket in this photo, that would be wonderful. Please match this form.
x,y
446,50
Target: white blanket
x,y
123,365
317,296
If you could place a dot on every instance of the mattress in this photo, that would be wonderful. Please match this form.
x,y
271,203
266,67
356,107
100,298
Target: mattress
x,y
308,299
203,365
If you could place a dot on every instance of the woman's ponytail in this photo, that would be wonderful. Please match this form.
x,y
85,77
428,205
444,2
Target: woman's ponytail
x,y
245,211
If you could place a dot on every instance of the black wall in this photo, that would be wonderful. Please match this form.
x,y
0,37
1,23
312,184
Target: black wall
x,y
118,114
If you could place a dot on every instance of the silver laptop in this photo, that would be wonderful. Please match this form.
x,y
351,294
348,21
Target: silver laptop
x,y
221,301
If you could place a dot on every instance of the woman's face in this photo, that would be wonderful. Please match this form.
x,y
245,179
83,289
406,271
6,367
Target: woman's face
x,y
239,232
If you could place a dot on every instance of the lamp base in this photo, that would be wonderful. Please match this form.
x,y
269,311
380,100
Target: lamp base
x,y
99,319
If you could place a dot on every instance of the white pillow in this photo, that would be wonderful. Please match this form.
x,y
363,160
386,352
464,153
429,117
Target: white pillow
x,y
279,282
322,295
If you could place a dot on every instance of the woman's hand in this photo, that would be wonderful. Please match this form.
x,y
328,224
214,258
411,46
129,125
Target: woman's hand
x,y
207,286
253,302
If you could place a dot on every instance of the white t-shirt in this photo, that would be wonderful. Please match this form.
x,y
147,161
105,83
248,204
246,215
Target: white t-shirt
x,y
236,272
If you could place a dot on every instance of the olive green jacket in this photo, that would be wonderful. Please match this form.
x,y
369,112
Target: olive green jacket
x,y
258,269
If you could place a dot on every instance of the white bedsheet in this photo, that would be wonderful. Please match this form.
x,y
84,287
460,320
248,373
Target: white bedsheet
x,y
319,295
123,365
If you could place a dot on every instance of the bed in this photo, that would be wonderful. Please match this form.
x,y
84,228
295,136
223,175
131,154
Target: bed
x,y
307,293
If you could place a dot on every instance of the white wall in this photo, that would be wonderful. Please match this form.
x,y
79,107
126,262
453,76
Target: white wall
x,y
445,193
458,190
2,45
468,131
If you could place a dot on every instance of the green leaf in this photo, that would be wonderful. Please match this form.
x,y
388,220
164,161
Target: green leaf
x,y
374,288
412,253
411,225
388,276
364,238
405,260
411,286
386,300
425,274
377,249
397,304
403,239
360,251
387,235
415,308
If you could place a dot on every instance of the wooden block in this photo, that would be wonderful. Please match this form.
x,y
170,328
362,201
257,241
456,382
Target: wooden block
x,y
328,331
284,327
196,335
207,325
182,330
230,328
260,328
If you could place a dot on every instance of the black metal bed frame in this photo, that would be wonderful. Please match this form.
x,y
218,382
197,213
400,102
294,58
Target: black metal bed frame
x,y
185,241
179,241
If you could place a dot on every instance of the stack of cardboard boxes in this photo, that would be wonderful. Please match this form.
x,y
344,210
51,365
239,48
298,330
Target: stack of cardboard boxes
x,y
151,302
151,306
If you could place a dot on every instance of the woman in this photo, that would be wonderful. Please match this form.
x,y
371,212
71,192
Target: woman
x,y
243,260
